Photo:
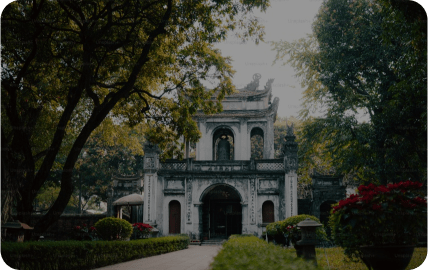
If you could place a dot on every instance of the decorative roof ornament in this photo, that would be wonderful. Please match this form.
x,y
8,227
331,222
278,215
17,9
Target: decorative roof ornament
x,y
268,87
289,147
252,86
269,84
290,130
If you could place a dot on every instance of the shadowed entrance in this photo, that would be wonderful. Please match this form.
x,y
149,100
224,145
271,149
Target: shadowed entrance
x,y
221,213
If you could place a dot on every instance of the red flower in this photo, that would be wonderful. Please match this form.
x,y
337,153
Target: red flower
x,y
376,207
92,228
408,204
77,227
383,189
405,185
363,189
420,201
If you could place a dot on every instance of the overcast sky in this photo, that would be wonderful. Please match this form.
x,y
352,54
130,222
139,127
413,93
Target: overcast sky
x,y
287,20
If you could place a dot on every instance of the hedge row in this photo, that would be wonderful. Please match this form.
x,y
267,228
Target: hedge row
x,y
251,252
82,255
277,229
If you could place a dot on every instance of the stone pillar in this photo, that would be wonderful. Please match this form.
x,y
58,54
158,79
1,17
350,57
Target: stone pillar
x,y
244,142
197,224
290,166
244,207
151,166
204,149
290,194
268,140
252,201
189,189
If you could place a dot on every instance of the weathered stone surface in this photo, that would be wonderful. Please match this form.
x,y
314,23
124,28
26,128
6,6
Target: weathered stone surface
x,y
223,190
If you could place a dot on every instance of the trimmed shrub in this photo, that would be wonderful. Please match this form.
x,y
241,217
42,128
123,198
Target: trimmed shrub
x,y
240,235
82,255
253,253
111,228
279,228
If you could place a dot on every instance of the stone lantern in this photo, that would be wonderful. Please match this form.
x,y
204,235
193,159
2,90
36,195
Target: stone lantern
x,y
309,239
15,230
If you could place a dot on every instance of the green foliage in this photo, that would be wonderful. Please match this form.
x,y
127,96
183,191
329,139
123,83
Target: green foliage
x,y
334,258
111,228
70,255
233,236
253,253
359,63
379,215
279,228
67,66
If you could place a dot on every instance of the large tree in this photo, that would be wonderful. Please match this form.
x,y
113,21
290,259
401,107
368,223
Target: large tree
x,y
67,65
366,57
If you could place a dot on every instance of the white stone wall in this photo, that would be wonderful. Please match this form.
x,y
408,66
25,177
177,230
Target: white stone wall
x,y
248,188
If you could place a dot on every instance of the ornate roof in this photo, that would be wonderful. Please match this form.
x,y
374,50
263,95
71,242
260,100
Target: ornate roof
x,y
272,109
249,93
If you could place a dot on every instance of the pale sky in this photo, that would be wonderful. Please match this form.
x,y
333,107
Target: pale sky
x,y
286,20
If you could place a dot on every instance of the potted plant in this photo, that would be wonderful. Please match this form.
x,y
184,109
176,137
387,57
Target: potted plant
x,y
141,230
380,225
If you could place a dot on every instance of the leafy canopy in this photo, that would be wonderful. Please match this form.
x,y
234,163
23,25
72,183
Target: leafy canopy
x,y
68,65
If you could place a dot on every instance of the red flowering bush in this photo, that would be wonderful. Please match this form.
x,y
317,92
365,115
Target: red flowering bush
x,y
142,230
379,215
293,233
84,232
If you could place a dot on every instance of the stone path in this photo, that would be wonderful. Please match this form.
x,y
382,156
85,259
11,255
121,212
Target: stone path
x,y
193,258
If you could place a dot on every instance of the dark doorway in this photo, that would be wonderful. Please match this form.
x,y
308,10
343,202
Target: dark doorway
x,y
268,213
223,144
222,213
174,217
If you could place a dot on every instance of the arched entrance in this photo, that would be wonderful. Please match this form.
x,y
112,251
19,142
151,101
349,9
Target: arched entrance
x,y
174,217
223,144
221,212
257,143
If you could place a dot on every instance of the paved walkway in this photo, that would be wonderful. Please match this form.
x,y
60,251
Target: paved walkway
x,y
193,258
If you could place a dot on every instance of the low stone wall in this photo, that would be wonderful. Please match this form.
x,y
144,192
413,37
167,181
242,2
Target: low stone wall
x,y
63,227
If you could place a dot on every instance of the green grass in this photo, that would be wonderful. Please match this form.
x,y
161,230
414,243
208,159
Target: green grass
x,y
337,260
252,253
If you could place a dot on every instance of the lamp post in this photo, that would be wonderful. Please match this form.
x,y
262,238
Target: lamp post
x,y
309,239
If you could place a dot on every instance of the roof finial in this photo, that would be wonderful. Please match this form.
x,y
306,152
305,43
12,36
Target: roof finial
x,y
252,86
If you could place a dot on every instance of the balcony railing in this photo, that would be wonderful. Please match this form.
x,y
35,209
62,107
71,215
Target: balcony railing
x,y
222,166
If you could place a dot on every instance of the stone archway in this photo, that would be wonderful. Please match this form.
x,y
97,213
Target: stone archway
x,y
223,144
221,212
